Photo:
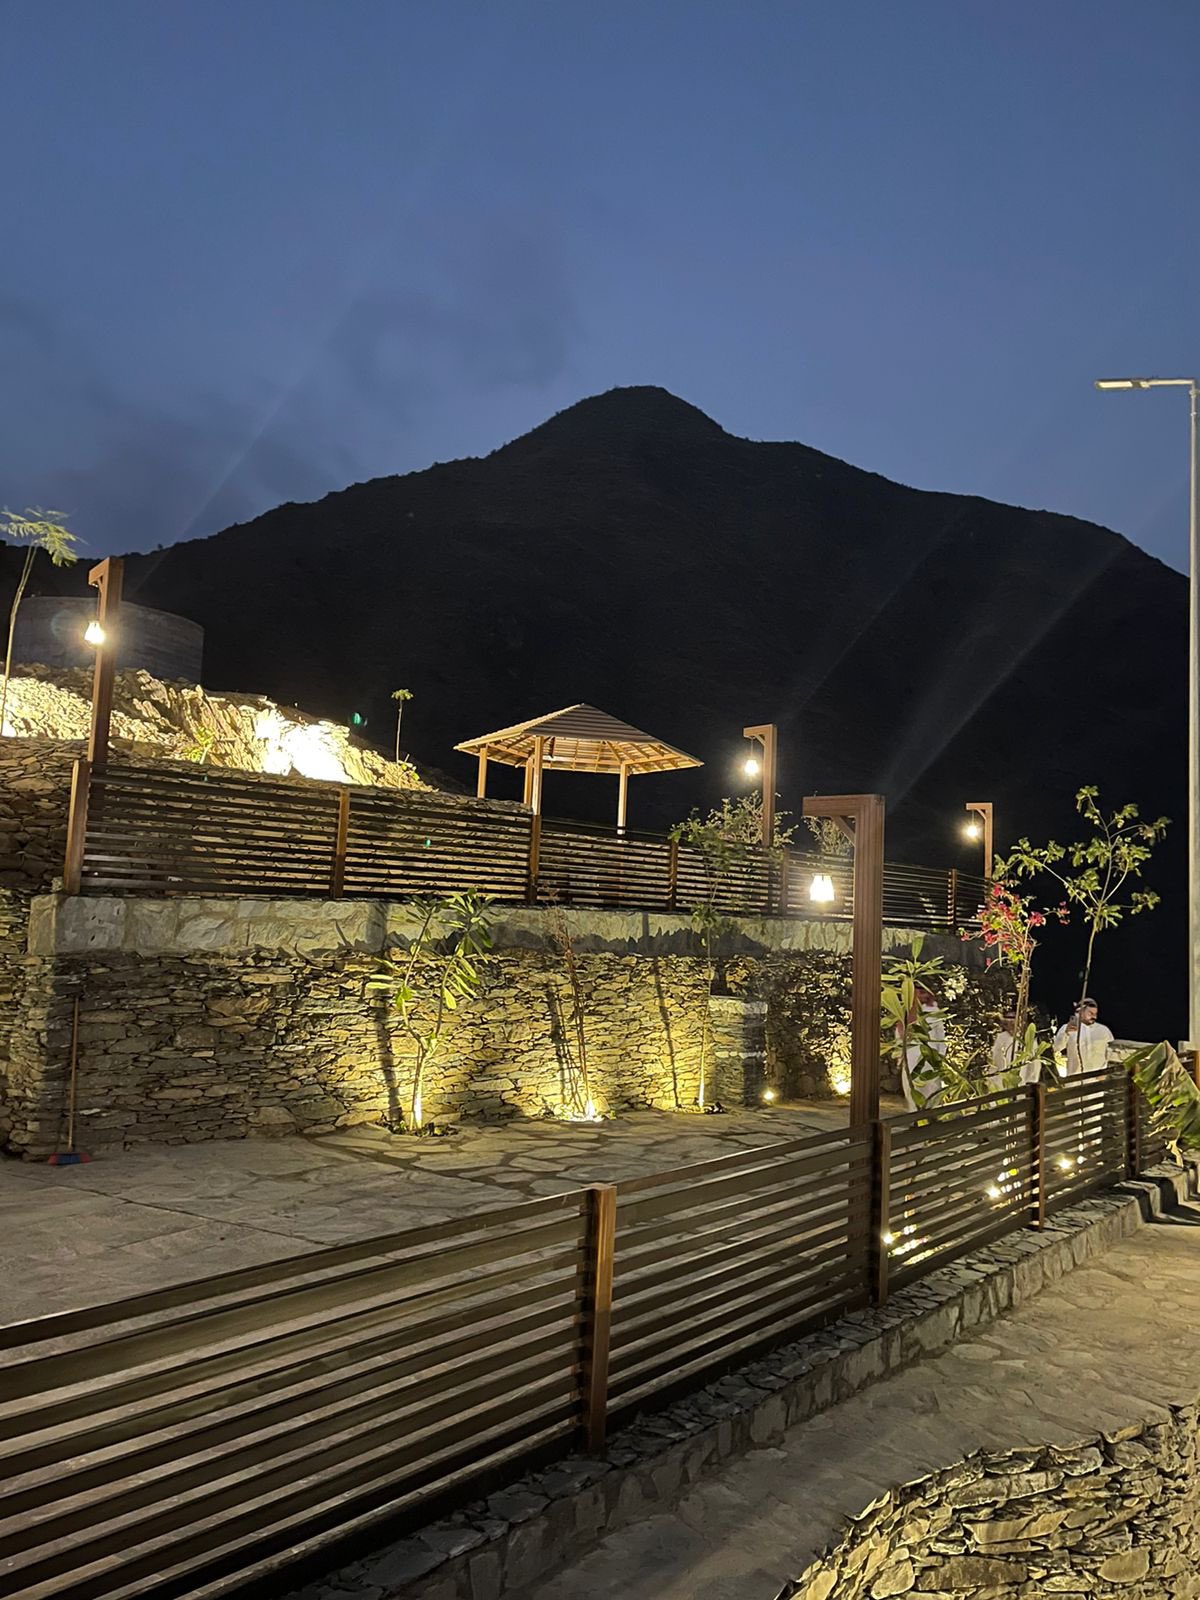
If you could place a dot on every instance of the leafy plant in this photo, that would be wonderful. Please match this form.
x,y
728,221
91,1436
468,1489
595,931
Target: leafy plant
x,y
1168,1086
1106,864
580,1105
831,841
729,836
906,1026
401,697
439,970
36,530
203,742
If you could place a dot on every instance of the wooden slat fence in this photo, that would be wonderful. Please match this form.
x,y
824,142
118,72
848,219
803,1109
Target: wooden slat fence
x,y
194,1438
174,829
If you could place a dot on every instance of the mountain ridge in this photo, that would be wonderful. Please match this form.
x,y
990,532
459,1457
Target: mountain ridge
x,y
631,553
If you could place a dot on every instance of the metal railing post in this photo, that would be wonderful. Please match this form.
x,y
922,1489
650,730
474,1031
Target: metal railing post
x,y
952,897
337,874
77,815
1037,1132
879,1233
596,1313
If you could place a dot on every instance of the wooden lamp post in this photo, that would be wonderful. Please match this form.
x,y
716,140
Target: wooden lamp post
x,y
980,825
107,578
860,817
767,735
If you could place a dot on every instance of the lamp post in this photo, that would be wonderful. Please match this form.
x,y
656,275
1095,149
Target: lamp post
x,y
1193,692
768,737
980,827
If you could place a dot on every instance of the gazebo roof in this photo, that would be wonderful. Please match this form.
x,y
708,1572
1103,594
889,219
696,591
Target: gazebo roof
x,y
580,739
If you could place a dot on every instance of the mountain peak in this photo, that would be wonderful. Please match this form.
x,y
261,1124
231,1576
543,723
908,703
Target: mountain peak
x,y
626,415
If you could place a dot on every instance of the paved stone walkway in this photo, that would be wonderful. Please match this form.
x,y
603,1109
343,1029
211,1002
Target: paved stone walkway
x,y
136,1220
1111,1344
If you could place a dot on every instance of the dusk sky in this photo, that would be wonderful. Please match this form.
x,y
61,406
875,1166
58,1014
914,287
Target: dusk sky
x,y
259,249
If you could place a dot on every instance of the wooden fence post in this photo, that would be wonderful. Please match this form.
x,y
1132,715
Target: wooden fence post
x,y
952,897
1037,1130
673,874
596,1322
337,874
81,783
783,884
880,1226
535,856
1133,1128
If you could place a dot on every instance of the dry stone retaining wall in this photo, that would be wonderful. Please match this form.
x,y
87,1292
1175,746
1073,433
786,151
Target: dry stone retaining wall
x,y
215,1018
1114,1515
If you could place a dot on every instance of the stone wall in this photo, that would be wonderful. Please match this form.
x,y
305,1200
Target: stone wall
x,y
214,1018
1114,1515
35,788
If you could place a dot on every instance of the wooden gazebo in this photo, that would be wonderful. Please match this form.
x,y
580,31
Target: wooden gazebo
x,y
576,739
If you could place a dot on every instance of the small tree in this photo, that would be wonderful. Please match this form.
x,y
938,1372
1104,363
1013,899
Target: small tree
x,y
401,697
1105,865
439,969
1009,923
729,836
36,530
581,1104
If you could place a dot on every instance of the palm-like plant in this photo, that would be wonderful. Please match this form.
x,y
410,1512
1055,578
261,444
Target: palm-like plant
x,y
36,530
401,697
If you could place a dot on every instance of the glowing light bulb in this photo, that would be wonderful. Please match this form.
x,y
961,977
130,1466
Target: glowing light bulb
x,y
768,1095
820,890
889,1240
94,633
751,766
993,1191
971,829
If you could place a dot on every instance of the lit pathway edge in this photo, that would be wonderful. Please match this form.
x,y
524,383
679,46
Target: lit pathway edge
x,y
530,1529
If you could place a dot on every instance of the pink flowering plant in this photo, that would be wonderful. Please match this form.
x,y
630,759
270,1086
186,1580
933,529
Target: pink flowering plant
x,y
1009,926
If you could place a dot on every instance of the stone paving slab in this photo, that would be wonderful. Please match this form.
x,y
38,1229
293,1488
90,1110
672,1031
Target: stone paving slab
x,y
135,1220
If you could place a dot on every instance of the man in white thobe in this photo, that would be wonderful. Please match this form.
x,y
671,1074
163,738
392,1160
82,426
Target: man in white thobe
x,y
1083,1041
1003,1046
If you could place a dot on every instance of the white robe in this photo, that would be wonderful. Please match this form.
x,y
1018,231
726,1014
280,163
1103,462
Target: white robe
x,y
1086,1050
1003,1046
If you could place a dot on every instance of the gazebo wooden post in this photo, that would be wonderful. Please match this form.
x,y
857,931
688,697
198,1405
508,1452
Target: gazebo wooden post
x,y
864,814
481,782
535,779
622,796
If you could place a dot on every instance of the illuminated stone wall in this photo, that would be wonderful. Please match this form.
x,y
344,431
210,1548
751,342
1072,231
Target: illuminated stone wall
x,y
213,1018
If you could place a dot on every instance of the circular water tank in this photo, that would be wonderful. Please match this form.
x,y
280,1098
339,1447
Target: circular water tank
x,y
50,633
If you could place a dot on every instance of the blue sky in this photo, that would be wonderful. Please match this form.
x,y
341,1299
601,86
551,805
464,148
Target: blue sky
x,y
259,249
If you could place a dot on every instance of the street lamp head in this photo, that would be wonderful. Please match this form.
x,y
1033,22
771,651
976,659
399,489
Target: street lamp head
x,y
1120,383
751,766
93,633
971,830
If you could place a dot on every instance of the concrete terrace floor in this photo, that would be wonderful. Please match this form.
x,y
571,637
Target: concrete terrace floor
x,y
134,1220
1110,1344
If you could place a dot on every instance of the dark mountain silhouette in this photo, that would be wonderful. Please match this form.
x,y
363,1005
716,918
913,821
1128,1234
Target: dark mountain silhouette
x,y
631,553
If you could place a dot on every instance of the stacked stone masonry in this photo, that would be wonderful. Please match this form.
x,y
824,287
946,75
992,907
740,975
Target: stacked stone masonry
x,y
1114,1515
217,1018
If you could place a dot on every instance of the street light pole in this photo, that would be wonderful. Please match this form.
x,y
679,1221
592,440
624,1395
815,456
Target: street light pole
x,y
1193,689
